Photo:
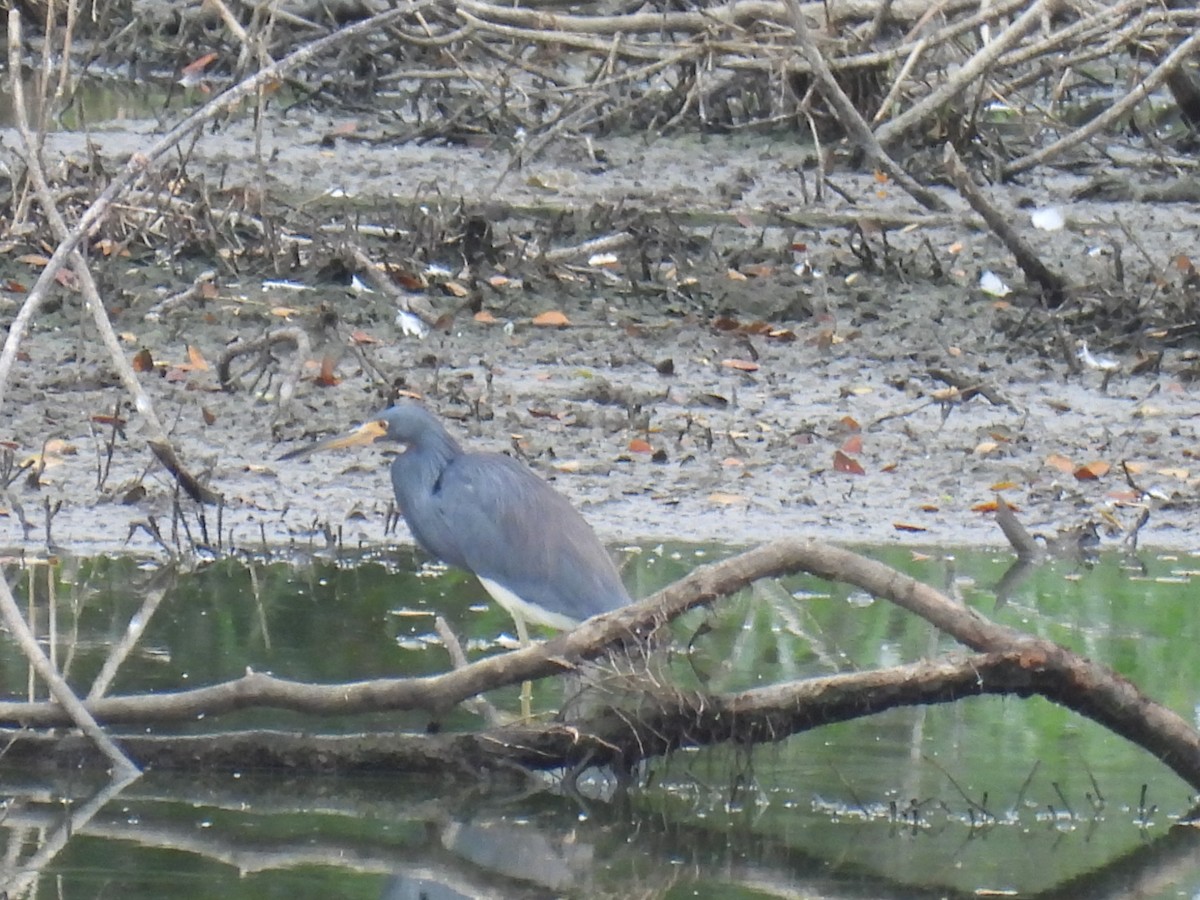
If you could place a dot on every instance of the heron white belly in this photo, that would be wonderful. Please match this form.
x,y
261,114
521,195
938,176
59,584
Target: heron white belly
x,y
523,611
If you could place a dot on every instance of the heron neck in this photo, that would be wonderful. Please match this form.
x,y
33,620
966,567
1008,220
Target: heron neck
x,y
420,467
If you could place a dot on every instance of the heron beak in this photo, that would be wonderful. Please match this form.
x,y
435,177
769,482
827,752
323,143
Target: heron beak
x,y
366,433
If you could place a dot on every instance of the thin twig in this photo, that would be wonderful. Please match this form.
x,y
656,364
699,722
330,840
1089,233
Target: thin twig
x,y
59,689
974,69
140,162
159,441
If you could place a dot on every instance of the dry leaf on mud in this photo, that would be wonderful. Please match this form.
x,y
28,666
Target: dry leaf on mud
x,y
1061,463
1092,470
196,359
847,464
143,361
742,365
551,319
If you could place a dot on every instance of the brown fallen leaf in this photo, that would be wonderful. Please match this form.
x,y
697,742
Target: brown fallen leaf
x,y
853,445
1093,470
847,464
1061,463
638,445
1175,472
905,526
758,270
196,359
50,456
1126,496
551,319
742,365
143,361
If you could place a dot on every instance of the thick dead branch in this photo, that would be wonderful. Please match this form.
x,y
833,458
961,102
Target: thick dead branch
x,y
653,725
850,119
641,725
159,442
72,707
1114,113
1054,286
1022,541
741,13
975,68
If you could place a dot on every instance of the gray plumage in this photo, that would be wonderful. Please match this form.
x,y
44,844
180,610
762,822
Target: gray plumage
x,y
493,516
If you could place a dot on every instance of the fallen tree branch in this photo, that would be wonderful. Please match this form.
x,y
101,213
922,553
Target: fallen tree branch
x,y
849,118
1016,663
890,133
293,335
159,441
653,724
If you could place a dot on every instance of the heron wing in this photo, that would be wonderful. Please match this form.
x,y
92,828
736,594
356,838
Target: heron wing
x,y
501,521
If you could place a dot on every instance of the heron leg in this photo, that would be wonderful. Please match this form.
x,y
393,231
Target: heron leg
x,y
526,686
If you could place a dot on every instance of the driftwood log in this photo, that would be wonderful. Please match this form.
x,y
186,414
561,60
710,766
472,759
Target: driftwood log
x,y
628,725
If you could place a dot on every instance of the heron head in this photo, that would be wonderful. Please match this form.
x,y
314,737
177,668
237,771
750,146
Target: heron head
x,y
405,423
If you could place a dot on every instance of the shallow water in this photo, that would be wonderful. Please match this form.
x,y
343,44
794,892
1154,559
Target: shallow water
x,y
986,794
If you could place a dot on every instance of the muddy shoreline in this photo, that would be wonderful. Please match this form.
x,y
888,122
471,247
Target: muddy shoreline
x,y
737,456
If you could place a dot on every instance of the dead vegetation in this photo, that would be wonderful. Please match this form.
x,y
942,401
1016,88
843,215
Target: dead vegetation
x,y
881,85
1015,88
917,96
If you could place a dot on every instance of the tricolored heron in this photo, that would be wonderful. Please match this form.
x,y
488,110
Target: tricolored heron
x,y
493,516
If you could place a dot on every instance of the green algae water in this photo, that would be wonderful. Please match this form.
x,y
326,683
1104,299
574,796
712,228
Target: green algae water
x,y
1008,795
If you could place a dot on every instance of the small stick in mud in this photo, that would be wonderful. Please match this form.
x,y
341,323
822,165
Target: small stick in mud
x,y
293,335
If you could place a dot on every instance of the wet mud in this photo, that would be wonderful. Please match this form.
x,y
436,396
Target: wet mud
x,y
784,368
